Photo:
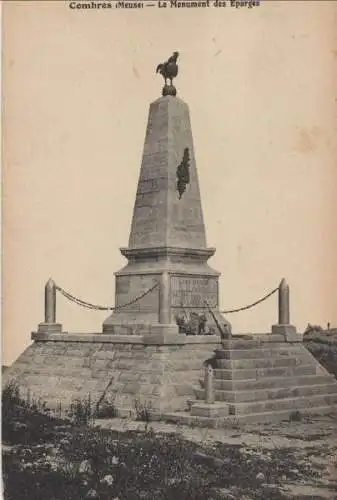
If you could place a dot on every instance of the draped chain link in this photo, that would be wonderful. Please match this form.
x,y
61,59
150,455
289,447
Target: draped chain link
x,y
96,307
244,308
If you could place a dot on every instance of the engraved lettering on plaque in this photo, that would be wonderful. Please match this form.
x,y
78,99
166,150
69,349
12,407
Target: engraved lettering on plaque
x,y
193,292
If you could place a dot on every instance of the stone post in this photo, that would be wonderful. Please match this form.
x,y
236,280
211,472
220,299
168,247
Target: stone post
x,y
284,327
164,299
164,332
283,303
209,394
50,302
49,325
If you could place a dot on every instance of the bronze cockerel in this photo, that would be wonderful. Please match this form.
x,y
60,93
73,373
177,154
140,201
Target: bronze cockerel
x,y
169,69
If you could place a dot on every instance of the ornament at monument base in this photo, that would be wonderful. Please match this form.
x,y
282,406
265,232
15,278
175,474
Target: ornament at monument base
x,y
196,324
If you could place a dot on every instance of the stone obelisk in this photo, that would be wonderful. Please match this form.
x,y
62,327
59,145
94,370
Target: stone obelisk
x,y
167,244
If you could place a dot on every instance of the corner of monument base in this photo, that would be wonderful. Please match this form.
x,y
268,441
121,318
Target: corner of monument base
x,y
120,326
49,328
39,336
288,331
164,334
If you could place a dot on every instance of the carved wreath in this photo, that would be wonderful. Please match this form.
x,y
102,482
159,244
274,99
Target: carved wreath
x,y
183,173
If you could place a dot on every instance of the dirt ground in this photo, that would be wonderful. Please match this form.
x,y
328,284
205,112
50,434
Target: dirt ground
x,y
312,441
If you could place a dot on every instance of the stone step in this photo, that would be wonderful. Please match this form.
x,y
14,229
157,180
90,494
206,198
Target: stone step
x,y
285,371
270,383
240,364
274,341
279,416
263,352
200,354
200,409
185,365
184,418
294,403
269,394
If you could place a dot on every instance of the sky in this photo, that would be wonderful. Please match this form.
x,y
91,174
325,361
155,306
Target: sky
x,y
261,88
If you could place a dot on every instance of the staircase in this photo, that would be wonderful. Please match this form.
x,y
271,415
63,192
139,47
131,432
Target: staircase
x,y
261,379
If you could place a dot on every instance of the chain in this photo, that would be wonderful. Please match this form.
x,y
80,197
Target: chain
x,y
244,308
96,307
88,305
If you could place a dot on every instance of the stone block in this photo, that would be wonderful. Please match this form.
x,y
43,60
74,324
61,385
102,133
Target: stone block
x,y
184,366
104,355
73,338
164,334
209,410
97,363
264,352
141,356
184,390
240,396
132,388
121,355
128,377
157,390
288,331
146,389
50,328
271,382
250,363
261,373
295,403
124,364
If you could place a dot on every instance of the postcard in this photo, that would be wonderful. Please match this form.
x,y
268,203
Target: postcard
x,y
169,248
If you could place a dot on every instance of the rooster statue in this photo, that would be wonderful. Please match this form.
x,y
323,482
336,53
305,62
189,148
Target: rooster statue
x,y
169,70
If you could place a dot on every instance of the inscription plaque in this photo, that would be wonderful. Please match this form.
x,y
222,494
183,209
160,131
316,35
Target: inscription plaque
x,y
189,291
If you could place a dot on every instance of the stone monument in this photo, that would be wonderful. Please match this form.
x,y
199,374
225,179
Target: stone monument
x,y
167,243
166,291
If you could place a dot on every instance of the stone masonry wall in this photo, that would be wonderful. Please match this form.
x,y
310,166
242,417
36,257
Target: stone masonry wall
x,y
61,371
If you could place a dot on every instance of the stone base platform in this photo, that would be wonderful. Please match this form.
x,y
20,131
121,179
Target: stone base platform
x,y
262,379
256,377
161,369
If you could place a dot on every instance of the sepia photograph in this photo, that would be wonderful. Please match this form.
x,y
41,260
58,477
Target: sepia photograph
x,y
169,250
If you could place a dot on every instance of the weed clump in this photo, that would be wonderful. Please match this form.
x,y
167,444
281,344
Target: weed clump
x,y
144,411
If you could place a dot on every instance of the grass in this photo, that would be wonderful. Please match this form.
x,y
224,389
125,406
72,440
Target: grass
x,y
50,458
26,420
325,352
144,411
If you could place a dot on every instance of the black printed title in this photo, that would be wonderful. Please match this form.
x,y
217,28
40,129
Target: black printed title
x,y
161,4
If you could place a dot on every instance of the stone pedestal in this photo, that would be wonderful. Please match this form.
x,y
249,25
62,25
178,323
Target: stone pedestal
x,y
284,327
288,331
167,244
50,328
